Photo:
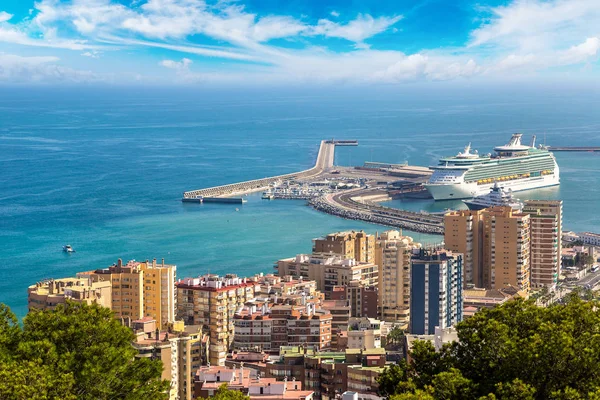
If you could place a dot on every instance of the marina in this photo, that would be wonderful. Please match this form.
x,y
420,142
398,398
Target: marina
x,y
348,192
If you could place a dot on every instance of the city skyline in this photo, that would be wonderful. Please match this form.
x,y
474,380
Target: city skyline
x,y
254,43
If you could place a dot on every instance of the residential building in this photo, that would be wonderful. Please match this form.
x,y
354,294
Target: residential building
x,y
211,301
209,379
546,241
275,286
357,245
363,299
329,270
140,289
295,326
340,312
179,351
253,329
392,255
362,380
590,238
328,374
479,298
495,243
436,297
48,294
463,233
364,333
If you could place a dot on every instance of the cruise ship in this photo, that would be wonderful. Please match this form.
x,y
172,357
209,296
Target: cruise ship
x,y
514,166
497,197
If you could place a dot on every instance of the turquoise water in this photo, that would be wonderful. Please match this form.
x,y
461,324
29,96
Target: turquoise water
x,y
104,170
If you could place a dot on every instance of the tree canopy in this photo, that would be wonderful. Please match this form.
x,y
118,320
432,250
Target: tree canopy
x,y
514,351
74,352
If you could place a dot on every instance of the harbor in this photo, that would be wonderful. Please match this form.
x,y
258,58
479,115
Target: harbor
x,y
348,192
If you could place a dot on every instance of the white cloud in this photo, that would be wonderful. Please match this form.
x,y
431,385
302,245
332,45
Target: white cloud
x,y
523,36
538,24
15,69
184,64
514,61
357,30
4,16
582,52
91,54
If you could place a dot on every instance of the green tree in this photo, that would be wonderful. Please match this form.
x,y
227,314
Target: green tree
x,y
394,380
395,336
516,351
515,390
451,385
550,348
426,362
223,393
416,395
75,352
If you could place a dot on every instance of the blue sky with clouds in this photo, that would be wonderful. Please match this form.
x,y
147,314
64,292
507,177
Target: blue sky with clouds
x,y
301,42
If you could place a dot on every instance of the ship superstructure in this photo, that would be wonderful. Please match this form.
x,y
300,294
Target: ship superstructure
x,y
497,197
514,166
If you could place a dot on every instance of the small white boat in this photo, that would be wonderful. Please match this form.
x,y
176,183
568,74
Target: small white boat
x,y
268,196
68,249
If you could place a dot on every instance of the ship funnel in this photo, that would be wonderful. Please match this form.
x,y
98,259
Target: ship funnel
x,y
533,141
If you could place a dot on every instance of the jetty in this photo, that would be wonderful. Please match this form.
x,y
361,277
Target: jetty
x,y
324,161
574,148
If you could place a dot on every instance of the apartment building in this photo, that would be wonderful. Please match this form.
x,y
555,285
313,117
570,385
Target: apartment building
x,y
293,325
590,238
392,255
329,270
357,245
140,289
253,329
365,333
495,243
47,295
181,352
363,299
436,290
209,379
270,327
211,301
271,285
546,241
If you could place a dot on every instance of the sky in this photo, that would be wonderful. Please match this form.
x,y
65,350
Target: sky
x,y
298,42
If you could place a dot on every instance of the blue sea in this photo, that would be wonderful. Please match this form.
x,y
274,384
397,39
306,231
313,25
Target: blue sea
x,y
103,169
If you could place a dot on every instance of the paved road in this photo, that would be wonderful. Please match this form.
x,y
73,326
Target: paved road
x,y
589,281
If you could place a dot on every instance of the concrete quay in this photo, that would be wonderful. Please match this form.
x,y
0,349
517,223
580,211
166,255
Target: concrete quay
x,y
324,162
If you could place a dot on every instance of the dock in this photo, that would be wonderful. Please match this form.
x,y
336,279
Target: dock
x,y
574,148
324,162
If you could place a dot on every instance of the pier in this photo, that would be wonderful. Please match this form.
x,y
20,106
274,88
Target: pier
x,y
324,162
574,148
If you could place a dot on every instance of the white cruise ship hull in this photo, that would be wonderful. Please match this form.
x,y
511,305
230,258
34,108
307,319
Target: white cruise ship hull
x,y
450,191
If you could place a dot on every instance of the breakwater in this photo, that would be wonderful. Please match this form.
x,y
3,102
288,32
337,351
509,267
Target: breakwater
x,y
424,223
324,161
